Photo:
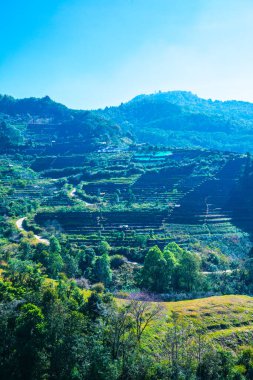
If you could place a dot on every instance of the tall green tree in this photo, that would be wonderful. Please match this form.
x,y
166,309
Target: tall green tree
x,y
172,263
30,339
154,274
188,271
55,265
55,245
102,270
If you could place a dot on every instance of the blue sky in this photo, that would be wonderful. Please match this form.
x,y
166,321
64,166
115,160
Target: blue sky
x,y
93,53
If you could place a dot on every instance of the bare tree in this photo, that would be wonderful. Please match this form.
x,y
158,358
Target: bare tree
x,y
183,346
144,314
120,325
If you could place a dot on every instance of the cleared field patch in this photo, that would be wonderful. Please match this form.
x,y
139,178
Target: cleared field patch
x,y
216,313
224,320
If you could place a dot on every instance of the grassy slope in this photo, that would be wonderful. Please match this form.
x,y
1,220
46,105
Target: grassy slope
x,y
227,319
216,312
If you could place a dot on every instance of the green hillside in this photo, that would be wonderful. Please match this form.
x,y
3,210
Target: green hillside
x,y
183,119
112,249
226,320
32,124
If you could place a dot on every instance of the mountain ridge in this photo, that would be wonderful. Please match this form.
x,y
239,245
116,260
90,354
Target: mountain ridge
x,y
183,119
174,118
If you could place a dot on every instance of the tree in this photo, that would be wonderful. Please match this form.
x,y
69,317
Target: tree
x,y
154,274
30,336
246,360
144,313
124,277
55,245
178,348
216,365
71,266
9,135
102,270
119,327
104,247
24,274
188,271
55,261
56,264
248,270
86,258
26,248
174,249
172,262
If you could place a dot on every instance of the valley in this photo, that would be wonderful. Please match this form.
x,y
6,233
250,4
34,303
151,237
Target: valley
x,y
108,220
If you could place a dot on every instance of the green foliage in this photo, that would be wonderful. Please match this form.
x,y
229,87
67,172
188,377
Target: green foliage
x,y
24,273
182,119
52,332
188,271
55,245
173,269
125,200
216,365
154,271
9,135
104,248
117,261
55,264
102,271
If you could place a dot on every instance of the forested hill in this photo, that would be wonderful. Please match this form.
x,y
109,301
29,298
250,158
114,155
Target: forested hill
x,y
175,119
43,122
40,107
182,119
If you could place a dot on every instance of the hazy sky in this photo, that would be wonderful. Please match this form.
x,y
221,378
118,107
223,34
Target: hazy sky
x,y
93,53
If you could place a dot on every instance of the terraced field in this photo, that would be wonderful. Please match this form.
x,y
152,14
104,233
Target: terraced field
x,y
174,197
120,193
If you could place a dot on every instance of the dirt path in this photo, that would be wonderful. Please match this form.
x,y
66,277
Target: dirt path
x,y
72,193
228,271
19,225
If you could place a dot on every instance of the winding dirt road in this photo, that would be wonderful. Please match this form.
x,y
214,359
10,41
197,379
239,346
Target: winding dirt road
x,y
73,194
19,225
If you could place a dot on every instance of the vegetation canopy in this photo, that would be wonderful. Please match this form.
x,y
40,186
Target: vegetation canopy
x,y
126,240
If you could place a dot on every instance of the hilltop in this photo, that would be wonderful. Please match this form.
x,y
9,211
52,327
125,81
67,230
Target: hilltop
x,y
176,119
180,119
25,122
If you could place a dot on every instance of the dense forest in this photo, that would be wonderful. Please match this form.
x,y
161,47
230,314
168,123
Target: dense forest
x,y
182,119
124,256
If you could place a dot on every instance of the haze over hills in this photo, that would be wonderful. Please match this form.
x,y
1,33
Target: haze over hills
x,y
39,120
180,118
175,118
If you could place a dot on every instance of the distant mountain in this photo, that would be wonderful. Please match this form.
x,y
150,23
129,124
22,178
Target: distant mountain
x,y
183,119
40,107
40,121
176,119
